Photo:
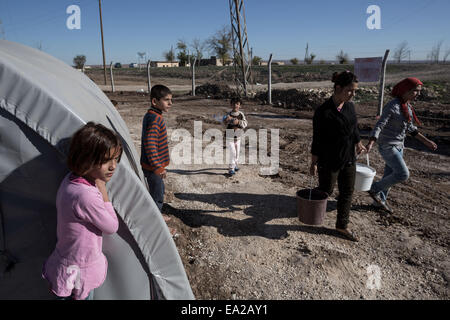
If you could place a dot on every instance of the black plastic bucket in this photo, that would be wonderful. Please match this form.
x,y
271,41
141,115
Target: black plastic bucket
x,y
311,206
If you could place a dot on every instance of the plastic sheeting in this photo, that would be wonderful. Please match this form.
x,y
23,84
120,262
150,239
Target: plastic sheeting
x,y
42,103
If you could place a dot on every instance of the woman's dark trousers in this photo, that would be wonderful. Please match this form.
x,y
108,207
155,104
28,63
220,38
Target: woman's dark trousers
x,y
345,178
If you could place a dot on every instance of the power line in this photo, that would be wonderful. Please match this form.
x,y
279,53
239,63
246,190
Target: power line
x,y
408,15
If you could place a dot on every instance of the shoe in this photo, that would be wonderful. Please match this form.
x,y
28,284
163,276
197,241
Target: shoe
x,y
387,208
347,234
380,203
376,205
231,172
376,198
236,169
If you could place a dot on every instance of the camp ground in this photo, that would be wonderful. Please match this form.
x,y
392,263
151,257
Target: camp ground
x,y
43,102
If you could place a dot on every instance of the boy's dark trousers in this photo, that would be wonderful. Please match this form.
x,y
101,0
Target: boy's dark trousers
x,y
156,187
345,178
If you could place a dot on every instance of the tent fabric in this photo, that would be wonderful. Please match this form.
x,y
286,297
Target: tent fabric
x,y
42,103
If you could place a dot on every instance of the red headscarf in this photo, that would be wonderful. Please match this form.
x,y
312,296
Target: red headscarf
x,y
400,89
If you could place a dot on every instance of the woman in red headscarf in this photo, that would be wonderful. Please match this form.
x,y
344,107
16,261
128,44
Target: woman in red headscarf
x,y
397,120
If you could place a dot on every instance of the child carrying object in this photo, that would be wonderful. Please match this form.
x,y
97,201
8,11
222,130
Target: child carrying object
x,y
236,122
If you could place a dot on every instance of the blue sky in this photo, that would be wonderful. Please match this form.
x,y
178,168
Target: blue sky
x,y
280,27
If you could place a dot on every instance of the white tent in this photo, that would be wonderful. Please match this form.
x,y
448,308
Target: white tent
x,y
42,103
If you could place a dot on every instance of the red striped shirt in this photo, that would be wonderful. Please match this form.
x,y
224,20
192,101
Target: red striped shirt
x,y
155,147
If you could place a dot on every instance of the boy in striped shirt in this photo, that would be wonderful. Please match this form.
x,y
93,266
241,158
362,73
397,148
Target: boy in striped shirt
x,y
154,144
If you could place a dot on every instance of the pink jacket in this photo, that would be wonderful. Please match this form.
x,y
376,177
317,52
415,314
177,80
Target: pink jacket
x,y
77,265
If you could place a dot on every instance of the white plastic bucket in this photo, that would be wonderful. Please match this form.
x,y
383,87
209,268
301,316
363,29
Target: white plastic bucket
x,y
364,176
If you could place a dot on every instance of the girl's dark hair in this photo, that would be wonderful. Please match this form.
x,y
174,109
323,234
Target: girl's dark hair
x,y
91,146
235,100
343,79
159,91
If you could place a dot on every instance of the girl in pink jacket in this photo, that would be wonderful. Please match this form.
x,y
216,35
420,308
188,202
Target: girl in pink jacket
x,y
84,212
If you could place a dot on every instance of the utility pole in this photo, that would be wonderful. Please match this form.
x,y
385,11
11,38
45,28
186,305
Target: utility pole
x,y
112,77
306,52
193,75
269,84
382,80
149,83
241,48
103,45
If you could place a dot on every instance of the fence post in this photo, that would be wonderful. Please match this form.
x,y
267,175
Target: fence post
x,y
193,77
383,75
149,84
112,78
269,86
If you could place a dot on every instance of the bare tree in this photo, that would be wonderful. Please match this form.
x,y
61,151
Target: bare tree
x,y
343,57
170,55
141,56
220,44
198,47
446,54
435,52
309,58
402,52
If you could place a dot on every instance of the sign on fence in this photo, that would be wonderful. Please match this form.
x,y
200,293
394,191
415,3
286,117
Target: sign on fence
x,y
368,69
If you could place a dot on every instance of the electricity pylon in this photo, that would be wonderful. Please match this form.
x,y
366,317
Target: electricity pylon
x,y
241,48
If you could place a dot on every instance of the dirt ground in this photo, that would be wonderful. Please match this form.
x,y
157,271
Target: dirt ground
x,y
240,237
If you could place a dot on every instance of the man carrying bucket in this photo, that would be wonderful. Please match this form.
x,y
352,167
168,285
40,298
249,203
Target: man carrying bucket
x,y
335,138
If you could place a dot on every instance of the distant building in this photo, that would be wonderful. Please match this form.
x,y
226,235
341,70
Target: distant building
x,y
164,64
213,61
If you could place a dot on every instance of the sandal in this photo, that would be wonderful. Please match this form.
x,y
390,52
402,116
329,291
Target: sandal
x,y
347,234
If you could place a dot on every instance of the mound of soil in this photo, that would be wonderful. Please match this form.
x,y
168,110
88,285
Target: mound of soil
x,y
215,91
295,99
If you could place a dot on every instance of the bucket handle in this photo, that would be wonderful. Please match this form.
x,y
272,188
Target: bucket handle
x,y
367,159
311,182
